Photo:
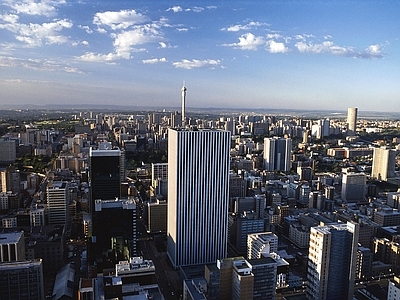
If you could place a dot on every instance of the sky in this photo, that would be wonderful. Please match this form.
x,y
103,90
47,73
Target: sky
x,y
310,55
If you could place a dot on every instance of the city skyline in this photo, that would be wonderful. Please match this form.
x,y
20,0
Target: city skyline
x,y
289,55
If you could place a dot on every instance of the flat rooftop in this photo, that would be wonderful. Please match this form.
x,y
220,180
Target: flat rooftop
x,y
10,237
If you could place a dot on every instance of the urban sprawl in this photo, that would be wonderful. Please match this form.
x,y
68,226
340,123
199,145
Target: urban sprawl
x,y
198,205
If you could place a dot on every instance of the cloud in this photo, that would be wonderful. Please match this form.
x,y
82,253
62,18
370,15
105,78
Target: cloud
x,y
373,51
119,19
248,26
195,63
86,28
9,18
154,60
165,45
195,9
276,47
37,34
38,8
96,57
175,9
182,29
37,64
126,41
248,41
304,37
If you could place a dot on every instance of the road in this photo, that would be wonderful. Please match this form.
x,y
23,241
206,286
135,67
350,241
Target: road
x,y
168,278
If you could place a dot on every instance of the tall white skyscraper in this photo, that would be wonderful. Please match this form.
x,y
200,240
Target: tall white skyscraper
x,y
332,261
384,163
198,188
277,154
352,120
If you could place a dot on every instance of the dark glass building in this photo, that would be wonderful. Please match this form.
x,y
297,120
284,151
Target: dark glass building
x,y
105,182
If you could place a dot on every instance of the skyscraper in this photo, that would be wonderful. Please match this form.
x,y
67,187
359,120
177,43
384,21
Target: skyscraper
x,y
105,180
384,163
353,186
57,202
332,261
352,120
277,154
198,187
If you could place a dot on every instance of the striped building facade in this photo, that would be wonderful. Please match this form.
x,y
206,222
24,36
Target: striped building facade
x,y
198,188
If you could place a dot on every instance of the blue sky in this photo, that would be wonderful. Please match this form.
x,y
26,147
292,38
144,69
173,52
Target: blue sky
x,y
231,54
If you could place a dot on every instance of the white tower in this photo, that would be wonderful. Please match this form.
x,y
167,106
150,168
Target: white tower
x,y
198,194
352,120
183,104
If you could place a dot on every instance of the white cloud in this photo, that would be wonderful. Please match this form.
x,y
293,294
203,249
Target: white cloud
x,y
32,7
195,9
119,19
248,41
165,45
195,63
373,51
211,7
126,41
324,47
182,29
178,8
276,47
86,28
9,18
95,57
37,64
248,26
37,34
303,37
175,9
154,60
274,36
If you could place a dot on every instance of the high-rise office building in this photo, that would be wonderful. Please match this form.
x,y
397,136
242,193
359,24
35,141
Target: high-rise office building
x,y
332,261
262,243
105,179
352,121
384,163
353,187
57,202
277,154
22,280
198,187
114,231
264,283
